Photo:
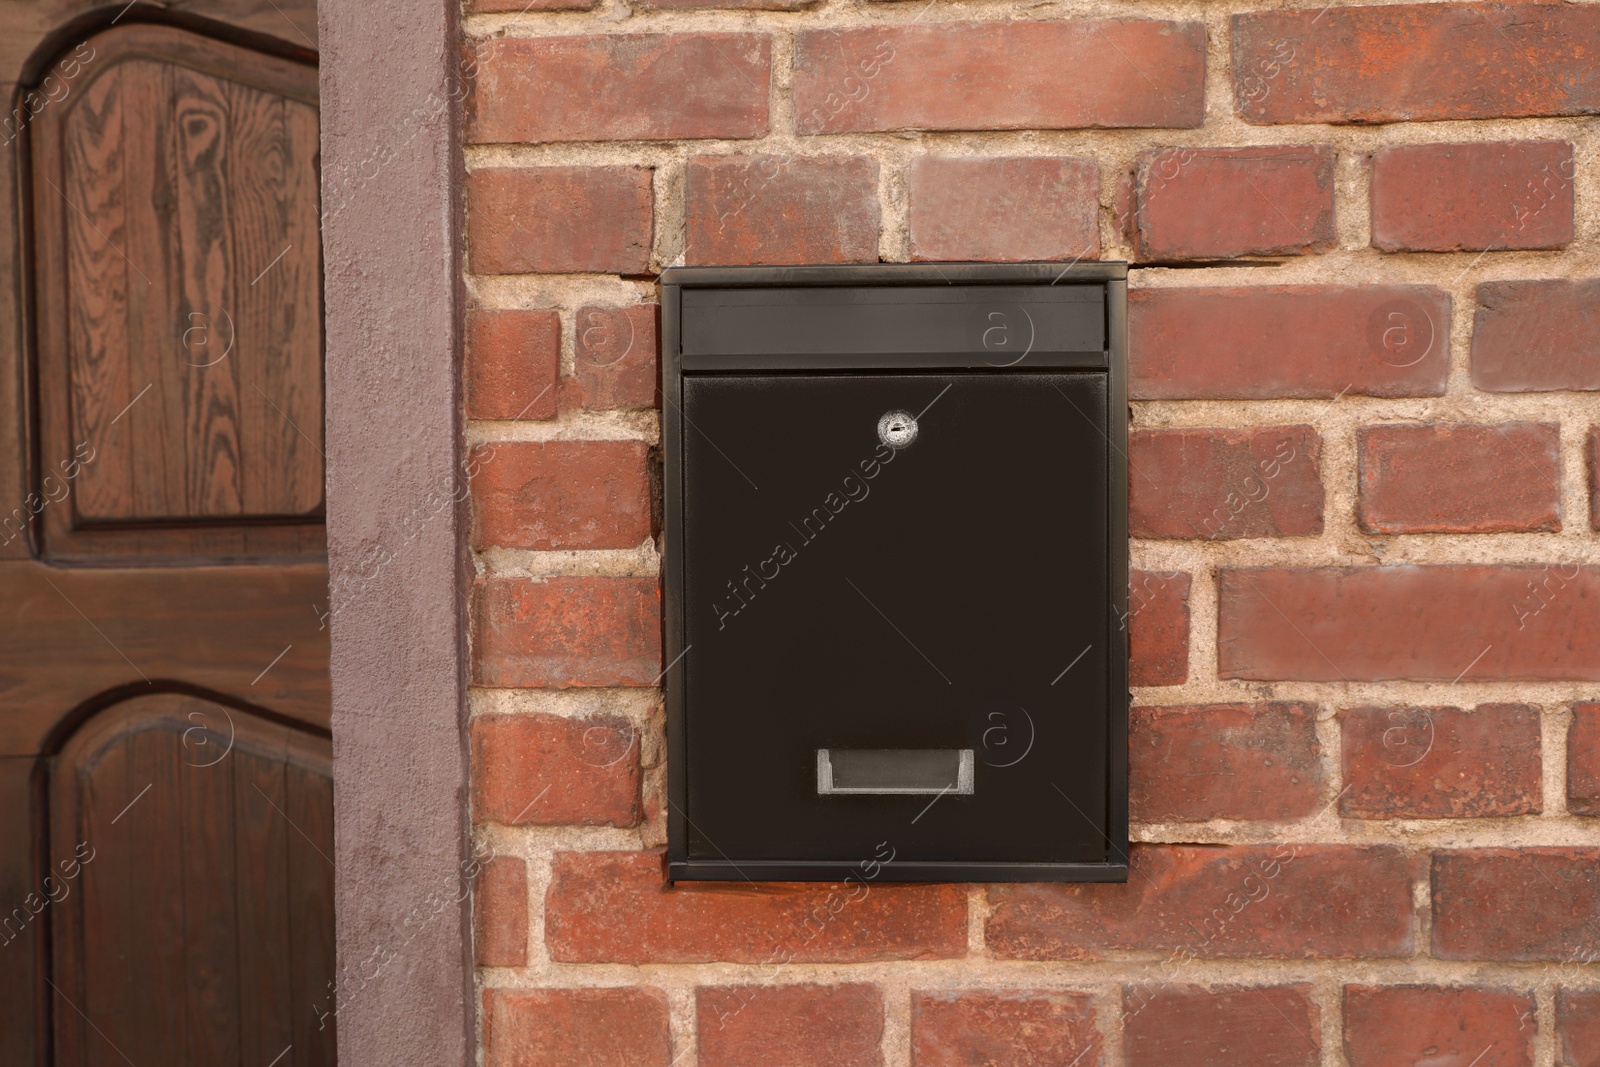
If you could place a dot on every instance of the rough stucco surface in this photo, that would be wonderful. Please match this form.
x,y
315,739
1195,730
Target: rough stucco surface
x,y
390,157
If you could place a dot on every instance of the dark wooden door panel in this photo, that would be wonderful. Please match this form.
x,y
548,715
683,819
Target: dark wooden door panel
x,y
179,294
23,26
199,934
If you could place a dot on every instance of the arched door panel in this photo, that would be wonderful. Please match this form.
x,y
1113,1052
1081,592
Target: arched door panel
x,y
178,286
191,846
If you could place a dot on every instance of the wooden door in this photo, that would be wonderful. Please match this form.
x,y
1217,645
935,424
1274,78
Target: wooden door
x,y
163,579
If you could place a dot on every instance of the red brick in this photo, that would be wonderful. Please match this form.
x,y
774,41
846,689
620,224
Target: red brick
x,y
1583,760
790,1025
1415,62
1000,76
561,494
513,358
1263,342
548,770
1578,1025
1034,208
1216,203
781,209
1472,197
1274,1026
1404,1026
1212,902
1491,623
1449,478
612,1027
563,632
524,220
614,360
1537,336
615,907
1219,484
620,87
1520,904
1594,477
1224,761
1441,763
500,913
1158,628
1015,1028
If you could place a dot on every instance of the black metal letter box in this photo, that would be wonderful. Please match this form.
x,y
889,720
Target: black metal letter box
x,y
896,572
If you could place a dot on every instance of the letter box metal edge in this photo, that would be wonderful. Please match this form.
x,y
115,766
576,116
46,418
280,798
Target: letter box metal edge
x,y
674,283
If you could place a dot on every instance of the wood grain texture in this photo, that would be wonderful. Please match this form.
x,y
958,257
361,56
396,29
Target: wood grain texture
x,y
178,270
310,807
266,1013
21,953
187,811
68,634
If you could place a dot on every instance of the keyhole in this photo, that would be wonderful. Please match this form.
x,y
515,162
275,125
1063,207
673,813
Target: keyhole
x,y
897,429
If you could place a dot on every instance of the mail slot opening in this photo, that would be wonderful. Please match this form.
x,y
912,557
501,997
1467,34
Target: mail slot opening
x,y
897,771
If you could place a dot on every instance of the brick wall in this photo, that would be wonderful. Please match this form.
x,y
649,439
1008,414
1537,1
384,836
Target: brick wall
x,y
1365,336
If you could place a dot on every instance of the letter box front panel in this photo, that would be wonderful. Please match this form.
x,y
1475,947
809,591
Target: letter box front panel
x,y
897,624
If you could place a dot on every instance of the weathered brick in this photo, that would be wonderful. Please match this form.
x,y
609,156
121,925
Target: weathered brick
x,y
781,209
1000,76
1440,763
610,1027
1216,203
1271,1026
1158,628
561,494
1578,1027
1014,1028
1224,761
1537,336
789,1025
563,632
1519,904
1415,62
1211,902
1472,197
615,907
513,358
1218,484
620,87
500,913
1500,623
549,770
1583,760
614,364
1035,208
1451,478
1403,1026
525,220
1263,342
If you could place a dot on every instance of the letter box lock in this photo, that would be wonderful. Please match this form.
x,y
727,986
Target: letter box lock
x,y
896,570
